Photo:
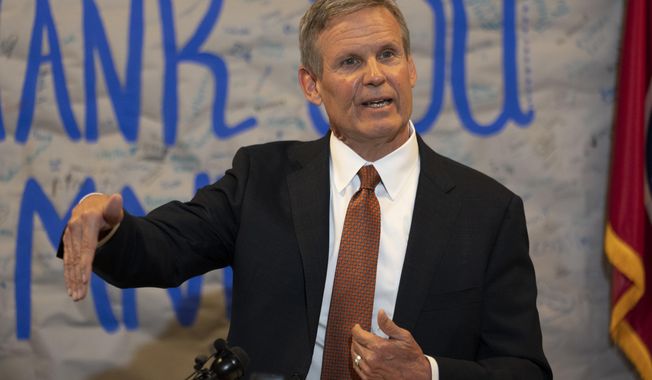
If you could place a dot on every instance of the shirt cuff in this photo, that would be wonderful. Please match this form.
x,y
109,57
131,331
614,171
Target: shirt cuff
x,y
109,236
88,196
434,368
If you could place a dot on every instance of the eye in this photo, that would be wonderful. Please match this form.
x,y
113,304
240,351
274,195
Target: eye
x,y
386,54
349,61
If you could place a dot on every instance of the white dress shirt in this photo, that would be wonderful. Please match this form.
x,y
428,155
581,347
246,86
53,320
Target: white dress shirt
x,y
399,174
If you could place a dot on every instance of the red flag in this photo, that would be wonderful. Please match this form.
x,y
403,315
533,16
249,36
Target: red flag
x,y
628,237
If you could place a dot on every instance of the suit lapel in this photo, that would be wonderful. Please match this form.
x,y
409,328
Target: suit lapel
x,y
435,209
308,186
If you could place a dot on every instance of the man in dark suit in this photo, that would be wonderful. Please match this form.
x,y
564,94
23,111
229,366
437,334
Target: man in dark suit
x,y
455,292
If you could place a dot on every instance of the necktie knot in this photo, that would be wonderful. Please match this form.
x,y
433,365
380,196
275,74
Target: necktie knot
x,y
369,177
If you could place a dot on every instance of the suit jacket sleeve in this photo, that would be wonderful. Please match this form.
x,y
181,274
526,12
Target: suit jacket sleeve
x,y
178,240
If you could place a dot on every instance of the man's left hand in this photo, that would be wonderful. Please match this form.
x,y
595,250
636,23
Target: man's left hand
x,y
397,357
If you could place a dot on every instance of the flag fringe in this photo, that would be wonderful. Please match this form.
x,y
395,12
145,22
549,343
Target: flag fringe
x,y
625,259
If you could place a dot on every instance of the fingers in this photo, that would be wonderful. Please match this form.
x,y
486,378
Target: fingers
x,y
362,367
372,350
362,336
71,260
89,233
390,328
396,357
362,341
113,212
93,215
67,260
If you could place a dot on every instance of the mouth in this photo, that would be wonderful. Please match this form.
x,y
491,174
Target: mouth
x,y
378,103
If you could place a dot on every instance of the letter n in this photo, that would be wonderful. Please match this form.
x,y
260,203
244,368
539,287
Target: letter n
x,y
125,99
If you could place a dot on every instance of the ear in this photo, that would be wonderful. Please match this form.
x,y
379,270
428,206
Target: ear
x,y
308,84
412,71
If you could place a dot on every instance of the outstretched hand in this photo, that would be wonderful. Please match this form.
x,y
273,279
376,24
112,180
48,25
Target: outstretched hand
x,y
396,357
91,219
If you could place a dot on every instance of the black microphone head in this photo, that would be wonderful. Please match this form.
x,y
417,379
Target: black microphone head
x,y
230,364
219,345
242,356
200,360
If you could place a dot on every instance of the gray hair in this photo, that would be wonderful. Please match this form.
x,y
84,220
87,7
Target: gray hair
x,y
321,12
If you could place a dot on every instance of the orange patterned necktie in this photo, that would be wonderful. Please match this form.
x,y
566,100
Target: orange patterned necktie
x,y
352,300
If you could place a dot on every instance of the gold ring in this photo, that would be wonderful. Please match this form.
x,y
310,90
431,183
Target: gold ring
x,y
357,360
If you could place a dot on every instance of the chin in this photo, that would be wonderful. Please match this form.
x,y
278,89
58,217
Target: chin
x,y
387,129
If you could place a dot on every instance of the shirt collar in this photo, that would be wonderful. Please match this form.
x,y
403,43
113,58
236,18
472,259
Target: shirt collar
x,y
394,168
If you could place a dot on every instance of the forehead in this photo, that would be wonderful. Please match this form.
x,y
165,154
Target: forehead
x,y
367,27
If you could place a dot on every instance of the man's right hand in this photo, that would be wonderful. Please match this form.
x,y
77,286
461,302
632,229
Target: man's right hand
x,y
91,219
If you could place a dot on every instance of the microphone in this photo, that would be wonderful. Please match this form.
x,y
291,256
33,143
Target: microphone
x,y
219,345
228,363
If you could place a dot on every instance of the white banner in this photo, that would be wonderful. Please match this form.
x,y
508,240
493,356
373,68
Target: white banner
x,y
153,98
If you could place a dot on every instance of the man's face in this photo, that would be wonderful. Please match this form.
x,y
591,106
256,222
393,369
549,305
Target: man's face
x,y
367,80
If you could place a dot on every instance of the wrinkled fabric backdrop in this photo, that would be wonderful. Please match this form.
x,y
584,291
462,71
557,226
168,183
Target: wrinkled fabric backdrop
x,y
153,98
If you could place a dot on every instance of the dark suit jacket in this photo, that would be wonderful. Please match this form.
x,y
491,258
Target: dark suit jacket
x,y
467,291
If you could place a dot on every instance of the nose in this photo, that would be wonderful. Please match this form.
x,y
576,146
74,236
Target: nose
x,y
374,75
